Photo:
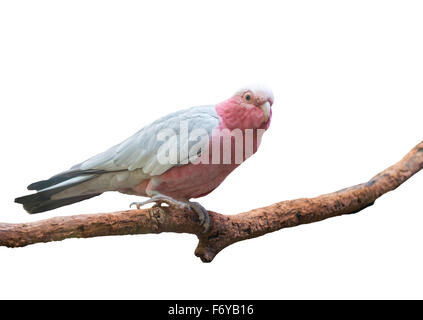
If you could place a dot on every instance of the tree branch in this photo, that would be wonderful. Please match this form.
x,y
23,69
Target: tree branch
x,y
224,229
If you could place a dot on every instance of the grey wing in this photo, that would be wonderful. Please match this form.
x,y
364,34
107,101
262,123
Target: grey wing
x,y
142,150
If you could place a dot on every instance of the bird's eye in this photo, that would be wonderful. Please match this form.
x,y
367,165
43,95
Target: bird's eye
x,y
248,97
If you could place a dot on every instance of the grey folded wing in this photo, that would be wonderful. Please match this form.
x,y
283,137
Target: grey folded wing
x,y
143,150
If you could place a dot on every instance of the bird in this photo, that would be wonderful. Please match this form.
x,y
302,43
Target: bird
x,y
181,156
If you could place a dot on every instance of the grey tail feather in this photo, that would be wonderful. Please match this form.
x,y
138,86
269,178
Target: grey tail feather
x,y
38,202
61,177
41,201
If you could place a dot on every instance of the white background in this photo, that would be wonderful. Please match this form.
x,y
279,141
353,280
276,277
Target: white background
x,y
79,76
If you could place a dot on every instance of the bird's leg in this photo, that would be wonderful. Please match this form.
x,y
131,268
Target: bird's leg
x,y
202,213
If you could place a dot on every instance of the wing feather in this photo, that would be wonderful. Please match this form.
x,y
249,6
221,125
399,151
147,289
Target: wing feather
x,y
140,150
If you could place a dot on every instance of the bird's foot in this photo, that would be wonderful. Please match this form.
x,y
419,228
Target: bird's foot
x,y
202,213
159,199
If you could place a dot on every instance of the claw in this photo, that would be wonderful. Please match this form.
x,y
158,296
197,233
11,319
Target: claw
x,y
203,215
136,204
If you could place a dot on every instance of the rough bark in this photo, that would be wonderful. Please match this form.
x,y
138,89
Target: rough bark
x,y
224,229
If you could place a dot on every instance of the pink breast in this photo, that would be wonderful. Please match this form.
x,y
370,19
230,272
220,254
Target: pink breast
x,y
197,180
192,180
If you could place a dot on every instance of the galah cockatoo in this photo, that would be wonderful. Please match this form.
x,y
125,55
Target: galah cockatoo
x,y
141,165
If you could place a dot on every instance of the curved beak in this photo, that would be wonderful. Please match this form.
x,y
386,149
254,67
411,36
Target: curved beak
x,y
266,110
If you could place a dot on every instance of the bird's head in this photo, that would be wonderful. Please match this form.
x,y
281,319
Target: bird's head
x,y
249,108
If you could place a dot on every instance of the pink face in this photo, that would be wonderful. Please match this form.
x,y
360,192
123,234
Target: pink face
x,y
247,109
250,99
